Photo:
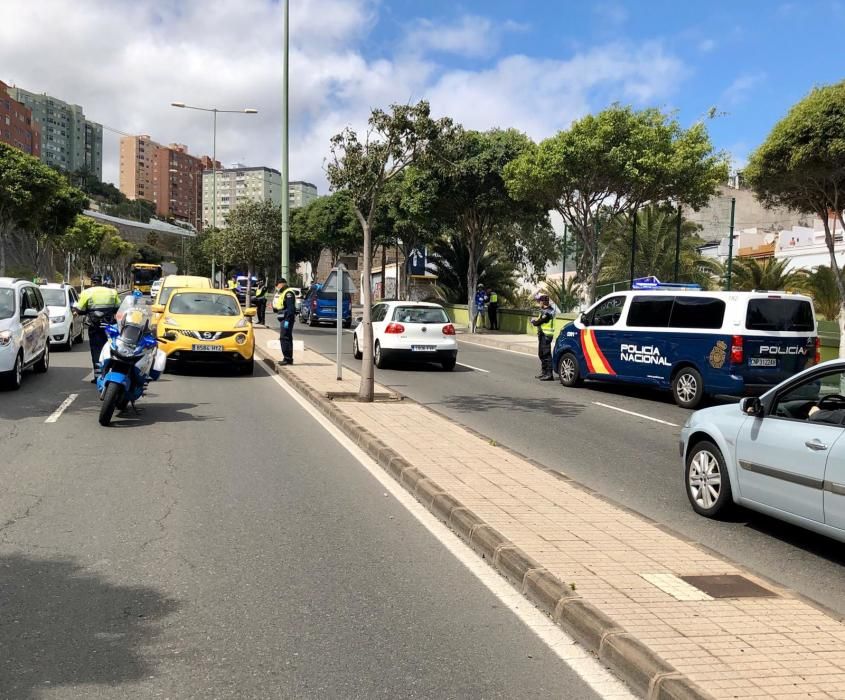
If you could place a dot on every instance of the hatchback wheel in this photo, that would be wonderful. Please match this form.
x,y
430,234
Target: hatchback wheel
x,y
707,481
378,358
43,363
688,387
356,351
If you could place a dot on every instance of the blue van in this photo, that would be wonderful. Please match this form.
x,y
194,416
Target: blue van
x,y
319,306
693,343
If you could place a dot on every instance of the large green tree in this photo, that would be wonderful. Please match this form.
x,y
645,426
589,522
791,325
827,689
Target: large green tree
x,y
748,274
613,163
451,259
394,140
821,285
801,165
251,234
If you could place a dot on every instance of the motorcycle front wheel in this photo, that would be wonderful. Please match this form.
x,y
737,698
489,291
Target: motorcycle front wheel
x,y
111,398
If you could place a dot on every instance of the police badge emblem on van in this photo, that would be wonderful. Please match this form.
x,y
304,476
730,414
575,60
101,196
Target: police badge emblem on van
x,y
718,354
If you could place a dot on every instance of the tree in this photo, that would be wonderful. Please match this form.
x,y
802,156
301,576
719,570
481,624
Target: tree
x,y
801,165
566,295
748,274
821,285
252,229
474,202
450,259
394,140
614,162
655,249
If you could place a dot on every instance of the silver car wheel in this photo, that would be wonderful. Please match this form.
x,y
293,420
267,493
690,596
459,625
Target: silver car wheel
x,y
687,387
18,371
567,368
705,479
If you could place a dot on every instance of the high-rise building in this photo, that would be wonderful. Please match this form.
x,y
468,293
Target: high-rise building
x,y
69,141
301,193
17,127
236,185
137,163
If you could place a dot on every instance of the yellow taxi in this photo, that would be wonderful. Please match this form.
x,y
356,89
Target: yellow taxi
x,y
206,325
171,282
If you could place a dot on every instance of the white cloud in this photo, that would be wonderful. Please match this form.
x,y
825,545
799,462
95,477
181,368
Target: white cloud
x,y
611,13
707,45
125,61
739,90
469,36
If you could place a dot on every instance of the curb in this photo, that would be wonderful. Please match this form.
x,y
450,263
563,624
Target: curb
x,y
629,658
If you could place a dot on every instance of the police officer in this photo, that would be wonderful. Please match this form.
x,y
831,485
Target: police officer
x,y
480,303
232,283
545,325
284,303
101,302
493,309
260,298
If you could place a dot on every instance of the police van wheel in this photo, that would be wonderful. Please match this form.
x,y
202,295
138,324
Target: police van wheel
x,y
568,371
688,387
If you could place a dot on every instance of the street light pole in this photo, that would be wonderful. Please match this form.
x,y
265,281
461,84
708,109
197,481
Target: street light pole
x,y
285,248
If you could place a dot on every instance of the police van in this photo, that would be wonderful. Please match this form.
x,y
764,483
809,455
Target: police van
x,y
692,342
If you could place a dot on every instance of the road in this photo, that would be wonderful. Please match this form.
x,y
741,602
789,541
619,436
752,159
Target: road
x,y
587,434
221,544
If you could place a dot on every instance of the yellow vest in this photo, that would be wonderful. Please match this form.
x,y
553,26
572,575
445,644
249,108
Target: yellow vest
x,y
494,298
98,297
548,327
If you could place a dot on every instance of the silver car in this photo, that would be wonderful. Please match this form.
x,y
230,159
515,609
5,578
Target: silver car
x,y
782,454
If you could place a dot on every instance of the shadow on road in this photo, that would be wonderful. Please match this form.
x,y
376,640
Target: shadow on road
x,y
62,625
477,403
151,412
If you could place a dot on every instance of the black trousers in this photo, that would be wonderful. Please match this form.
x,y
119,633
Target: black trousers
x,y
261,310
544,351
286,339
96,339
492,314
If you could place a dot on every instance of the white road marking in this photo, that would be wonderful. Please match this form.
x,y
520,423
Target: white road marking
x,y
477,369
605,684
491,347
55,415
634,413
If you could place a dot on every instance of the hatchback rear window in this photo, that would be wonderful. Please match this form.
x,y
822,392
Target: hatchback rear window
x,y
420,314
780,315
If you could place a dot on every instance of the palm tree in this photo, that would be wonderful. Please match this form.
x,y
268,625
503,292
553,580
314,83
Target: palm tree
x,y
655,250
769,273
566,296
451,260
821,285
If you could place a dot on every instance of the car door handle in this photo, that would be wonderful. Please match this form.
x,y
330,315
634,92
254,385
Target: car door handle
x,y
816,444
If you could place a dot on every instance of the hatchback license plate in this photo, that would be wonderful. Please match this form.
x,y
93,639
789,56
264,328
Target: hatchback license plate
x,y
762,362
207,348
423,348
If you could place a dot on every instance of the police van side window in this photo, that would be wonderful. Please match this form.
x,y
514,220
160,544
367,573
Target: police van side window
x,y
650,311
608,312
697,312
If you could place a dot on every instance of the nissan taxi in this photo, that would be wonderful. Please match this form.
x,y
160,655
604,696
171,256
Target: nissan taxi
x,y
206,326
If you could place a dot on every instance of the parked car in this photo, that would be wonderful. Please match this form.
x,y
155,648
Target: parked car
x,y
66,327
782,454
318,307
154,287
409,330
24,331
297,292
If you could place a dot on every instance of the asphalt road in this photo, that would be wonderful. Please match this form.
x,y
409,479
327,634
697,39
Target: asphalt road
x,y
626,457
219,544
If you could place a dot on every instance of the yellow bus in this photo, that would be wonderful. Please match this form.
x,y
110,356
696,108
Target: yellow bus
x,y
143,275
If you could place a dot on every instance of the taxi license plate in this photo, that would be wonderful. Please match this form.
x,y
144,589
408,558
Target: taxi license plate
x,y
422,348
762,362
207,348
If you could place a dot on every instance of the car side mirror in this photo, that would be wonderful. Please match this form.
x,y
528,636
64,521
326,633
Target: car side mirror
x,y
249,312
157,308
170,335
584,320
751,406
30,313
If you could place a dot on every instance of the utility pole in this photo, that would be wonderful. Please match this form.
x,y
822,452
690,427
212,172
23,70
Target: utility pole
x,y
563,260
633,247
285,160
731,243
678,244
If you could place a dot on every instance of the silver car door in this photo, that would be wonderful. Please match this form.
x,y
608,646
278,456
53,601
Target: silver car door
x,y
834,486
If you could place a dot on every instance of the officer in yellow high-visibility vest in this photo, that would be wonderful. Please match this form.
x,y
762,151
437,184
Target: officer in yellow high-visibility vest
x,y
260,299
99,303
232,284
284,304
545,325
493,309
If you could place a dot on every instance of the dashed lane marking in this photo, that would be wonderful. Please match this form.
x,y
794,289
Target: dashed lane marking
x,y
493,347
634,413
477,369
55,415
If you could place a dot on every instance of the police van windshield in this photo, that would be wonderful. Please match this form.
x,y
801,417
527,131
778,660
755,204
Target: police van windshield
x,y
780,315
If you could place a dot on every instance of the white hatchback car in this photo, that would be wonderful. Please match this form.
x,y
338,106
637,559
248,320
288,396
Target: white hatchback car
x,y
409,330
154,287
24,331
65,326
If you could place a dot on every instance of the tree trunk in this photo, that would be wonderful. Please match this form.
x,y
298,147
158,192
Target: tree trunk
x,y
472,282
2,255
383,271
367,389
249,269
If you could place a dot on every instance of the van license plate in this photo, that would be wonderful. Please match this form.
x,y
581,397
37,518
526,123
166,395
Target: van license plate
x,y
207,348
762,362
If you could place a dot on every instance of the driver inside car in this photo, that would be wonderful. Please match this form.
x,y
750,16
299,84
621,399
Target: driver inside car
x,y
822,414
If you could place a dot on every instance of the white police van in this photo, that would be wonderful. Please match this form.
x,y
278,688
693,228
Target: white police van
x,y
692,342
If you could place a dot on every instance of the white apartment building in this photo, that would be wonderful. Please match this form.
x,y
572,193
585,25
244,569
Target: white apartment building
x,y
805,247
236,185
301,193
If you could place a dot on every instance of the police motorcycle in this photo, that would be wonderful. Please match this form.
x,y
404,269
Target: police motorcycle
x,y
130,359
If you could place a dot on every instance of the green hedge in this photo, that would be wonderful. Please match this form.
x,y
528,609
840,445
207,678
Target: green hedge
x,y
510,320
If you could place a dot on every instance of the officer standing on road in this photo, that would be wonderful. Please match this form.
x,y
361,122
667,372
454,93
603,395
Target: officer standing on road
x,y
260,299
493,309
100,303
545,325
232,284
284,303
480,304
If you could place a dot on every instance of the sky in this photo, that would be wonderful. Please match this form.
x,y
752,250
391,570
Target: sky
x,y
535,65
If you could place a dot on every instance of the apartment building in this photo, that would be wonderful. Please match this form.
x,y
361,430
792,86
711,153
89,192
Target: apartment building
x,y
301,193
69,141
17,127
235,185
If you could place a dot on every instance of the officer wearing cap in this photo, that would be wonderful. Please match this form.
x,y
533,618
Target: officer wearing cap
x,y
284,304
99,303
545,325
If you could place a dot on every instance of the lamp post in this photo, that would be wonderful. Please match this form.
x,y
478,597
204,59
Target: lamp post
x,y
215,112
285,243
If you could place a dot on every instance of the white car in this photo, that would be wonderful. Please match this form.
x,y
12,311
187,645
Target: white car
x,y
154,287
409,330
66,327
24,331
782,454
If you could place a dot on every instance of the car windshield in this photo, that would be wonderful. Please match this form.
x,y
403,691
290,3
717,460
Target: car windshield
x,y
779,315
54,297
420,314
204,304
7,302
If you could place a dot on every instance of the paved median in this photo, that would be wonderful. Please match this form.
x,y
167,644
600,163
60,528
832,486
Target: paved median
x,y
670,617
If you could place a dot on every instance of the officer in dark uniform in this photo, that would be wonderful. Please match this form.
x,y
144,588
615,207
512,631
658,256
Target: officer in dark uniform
x,y
284,304
260,298
545,325
99,303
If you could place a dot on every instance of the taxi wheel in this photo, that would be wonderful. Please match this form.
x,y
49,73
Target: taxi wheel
x,y
688,387
707,483
568,370
43,363
248,368
69,344
356,351
12,379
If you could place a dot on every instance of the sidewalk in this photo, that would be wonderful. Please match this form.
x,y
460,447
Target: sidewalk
x,y
609,577
515,342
